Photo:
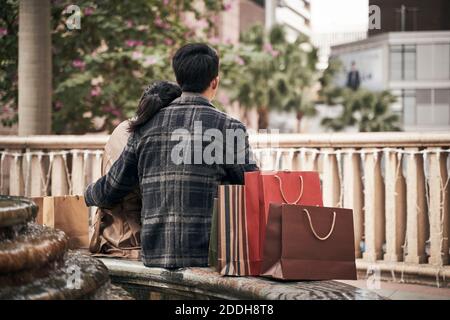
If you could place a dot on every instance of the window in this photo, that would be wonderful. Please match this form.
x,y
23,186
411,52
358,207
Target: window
x,y
403,62
424,107
433,61
442,106
409,107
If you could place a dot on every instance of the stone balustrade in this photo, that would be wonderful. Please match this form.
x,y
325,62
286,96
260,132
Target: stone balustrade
x,y
396,183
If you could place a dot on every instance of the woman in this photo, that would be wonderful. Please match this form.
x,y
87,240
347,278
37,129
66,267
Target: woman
x,y
117,229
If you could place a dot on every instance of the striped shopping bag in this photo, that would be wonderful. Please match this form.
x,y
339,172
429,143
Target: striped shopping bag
x,y
237,234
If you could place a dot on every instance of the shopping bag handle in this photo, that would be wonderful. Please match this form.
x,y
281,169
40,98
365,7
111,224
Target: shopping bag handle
x,y
314,231
282,193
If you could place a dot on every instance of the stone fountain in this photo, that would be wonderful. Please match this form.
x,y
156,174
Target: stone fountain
x,y
35,262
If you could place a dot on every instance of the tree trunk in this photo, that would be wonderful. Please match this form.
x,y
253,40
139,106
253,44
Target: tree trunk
x,y
299,121
263,118
35,67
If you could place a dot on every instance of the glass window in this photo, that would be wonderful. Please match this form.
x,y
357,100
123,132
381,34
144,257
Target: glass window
x,y
409,107
441,61
403,62
423,96
409,64
424,107
396,63
442,106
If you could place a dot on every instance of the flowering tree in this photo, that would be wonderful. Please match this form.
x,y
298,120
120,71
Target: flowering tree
x,y
100,69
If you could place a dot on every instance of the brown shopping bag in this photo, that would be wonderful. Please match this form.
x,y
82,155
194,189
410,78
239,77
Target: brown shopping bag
x,y
237,234
309,243
67,213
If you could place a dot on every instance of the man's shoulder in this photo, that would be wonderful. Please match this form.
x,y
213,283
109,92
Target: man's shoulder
x,y
231,121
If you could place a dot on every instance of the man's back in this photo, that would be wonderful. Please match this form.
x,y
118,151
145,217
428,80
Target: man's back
x,y
178,185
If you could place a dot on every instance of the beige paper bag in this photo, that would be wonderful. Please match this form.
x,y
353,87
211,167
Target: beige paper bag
x,y
67,213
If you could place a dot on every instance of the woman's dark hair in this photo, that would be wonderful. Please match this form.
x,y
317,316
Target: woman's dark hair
x,y
156,96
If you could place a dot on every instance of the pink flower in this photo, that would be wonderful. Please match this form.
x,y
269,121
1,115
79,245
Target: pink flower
x,y
136,55
96,91
133,43
130,43
214,40
166,2
168,41
269,49
3,32
88,11
79,64
149,60
58,105
223,99
240,61
129,23
116,113
158,22
202,24
112,110
227,7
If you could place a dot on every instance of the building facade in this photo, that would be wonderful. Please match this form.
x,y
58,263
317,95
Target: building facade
x,y
412,15
414,66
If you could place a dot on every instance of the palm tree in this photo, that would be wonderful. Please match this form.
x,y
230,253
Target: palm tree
x,y
276,73
35,67
369,111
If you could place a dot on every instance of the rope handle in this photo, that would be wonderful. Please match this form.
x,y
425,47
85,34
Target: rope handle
x,y
282,193
314,231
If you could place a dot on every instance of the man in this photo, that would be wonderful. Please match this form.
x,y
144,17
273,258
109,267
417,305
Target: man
x,y
353,79
178,180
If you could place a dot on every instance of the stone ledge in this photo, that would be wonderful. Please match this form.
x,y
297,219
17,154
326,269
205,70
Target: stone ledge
x,y
205,283
403,272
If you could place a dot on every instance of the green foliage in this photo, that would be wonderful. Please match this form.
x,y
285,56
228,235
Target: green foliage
x,y
99,71
9,30
369,111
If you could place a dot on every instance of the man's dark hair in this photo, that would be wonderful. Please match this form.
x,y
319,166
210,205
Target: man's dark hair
x,y
195,66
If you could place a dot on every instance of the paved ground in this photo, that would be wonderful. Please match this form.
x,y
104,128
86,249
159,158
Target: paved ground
x,y
398,291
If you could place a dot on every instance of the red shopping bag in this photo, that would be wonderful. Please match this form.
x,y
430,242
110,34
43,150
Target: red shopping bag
x,y
282,187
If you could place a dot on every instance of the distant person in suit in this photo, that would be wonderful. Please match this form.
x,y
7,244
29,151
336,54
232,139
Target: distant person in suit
x,y
353,79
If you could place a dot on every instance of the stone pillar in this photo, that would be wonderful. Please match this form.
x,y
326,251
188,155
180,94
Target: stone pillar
x,y
35,67
395,204
331,184
353,194
416,214
439,208
374,206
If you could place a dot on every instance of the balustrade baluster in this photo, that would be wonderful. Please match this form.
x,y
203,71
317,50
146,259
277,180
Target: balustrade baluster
x,y
395,206
353,196
373,206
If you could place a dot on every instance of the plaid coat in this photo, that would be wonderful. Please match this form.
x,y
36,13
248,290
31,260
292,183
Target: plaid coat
x,y
177,198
